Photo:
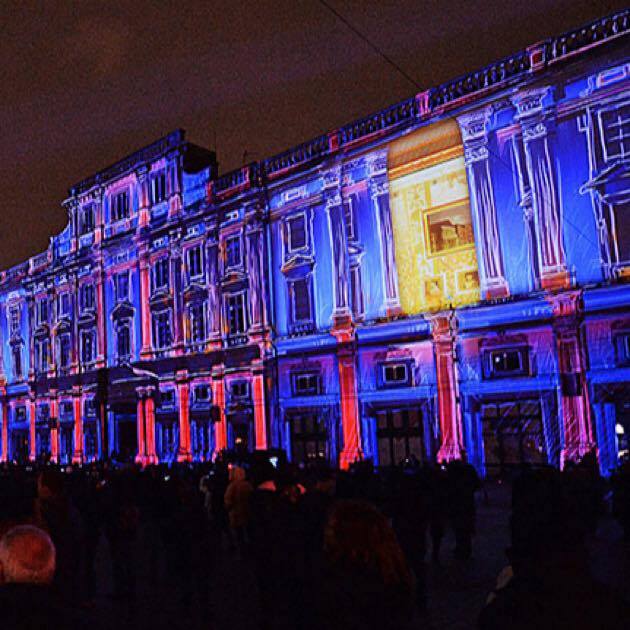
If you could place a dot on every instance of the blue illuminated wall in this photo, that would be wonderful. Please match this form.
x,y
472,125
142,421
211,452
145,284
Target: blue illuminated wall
x,y
446,278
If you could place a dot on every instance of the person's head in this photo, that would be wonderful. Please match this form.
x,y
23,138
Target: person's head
x,y
27,556
358,536
237,473
50,483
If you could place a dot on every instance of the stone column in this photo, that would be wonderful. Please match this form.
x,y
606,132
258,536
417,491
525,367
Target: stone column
x,y
183,391
77,455
145,294
535,126
33,434
218,400
178,302
449,413
379,192
260,423
173,184
141,457
4,454
214,295
144,214
572,363
101,320
350,421
53,410
255,243
342,316
473,126
149,417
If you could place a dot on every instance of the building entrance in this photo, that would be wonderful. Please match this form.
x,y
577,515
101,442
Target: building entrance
x,y
127,439
399,435
309,438
512,435
19,446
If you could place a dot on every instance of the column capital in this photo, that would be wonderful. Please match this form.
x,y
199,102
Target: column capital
x,y
529,103
473,124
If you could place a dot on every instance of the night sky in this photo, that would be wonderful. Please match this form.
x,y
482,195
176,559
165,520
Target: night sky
x,y
86,83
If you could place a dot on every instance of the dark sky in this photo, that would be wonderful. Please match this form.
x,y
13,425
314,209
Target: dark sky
x,y
86,83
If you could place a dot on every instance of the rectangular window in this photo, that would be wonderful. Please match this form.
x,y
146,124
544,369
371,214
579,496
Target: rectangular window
x,y
17,361
162,329
86,297
90,407
296,233
123,341
306,383
158,187
622,347
349,215
63,304
167,398
236,313
120,206
232,252
620,214
197,323
201,393
160,274
301,300
506,362
20,414
194,261
88,346
41,351
121,286
395,374
42,311
239,390
14,316
86,220
64,351
615,129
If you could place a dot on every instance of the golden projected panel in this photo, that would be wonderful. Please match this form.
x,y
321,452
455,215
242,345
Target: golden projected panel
x,y
432,224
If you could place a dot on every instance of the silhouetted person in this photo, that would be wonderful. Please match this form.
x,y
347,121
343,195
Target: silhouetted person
x,y
463,483
237,506
365,583
55,512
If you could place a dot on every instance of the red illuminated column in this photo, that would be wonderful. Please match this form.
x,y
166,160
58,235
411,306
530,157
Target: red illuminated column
x,y
572,362
183,387
5,422
145,294
77,455
349,405
218,400
260,424
33,435
448,409
140,422
149,415
54,430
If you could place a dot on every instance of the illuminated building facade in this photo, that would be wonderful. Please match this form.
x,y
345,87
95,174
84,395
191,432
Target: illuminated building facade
x,y
446,278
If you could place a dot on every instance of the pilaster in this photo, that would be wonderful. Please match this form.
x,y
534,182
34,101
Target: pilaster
x,y
77,455
473,126
535,124
218,400
443,328
183,393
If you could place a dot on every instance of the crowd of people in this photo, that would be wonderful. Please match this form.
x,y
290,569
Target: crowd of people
x,y
326,549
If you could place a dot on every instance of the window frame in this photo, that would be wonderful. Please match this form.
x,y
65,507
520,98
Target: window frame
x,y
490,371
85,334
314,375
384,382
233,238
240,296
195,249
119,213
157,336
158,192
622,139
162,261
290,220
